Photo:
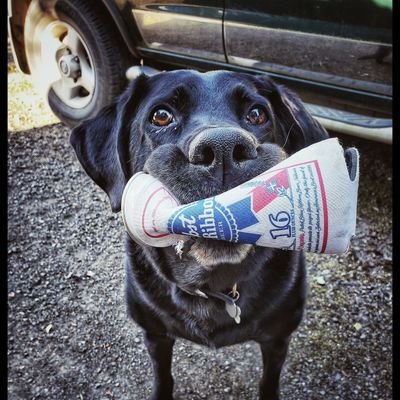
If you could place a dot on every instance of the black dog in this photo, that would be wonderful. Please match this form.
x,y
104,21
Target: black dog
x,y
202,134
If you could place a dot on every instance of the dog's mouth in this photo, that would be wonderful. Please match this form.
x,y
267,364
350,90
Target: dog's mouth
x,y
210,253
190,183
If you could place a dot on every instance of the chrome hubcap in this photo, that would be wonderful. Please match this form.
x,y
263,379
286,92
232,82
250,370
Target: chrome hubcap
x,y
64,64
70,66
59,59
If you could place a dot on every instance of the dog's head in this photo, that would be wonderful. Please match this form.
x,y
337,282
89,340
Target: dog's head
x,y
199,134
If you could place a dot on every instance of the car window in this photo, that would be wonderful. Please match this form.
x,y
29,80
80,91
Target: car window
x,y
345,43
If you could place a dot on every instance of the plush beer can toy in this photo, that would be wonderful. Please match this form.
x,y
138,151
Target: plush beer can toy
x,y
306,202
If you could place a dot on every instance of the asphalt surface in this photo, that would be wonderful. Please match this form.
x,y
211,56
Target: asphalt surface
x,y
69,336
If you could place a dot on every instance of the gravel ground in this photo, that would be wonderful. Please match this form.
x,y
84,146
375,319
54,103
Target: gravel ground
x,y
69,336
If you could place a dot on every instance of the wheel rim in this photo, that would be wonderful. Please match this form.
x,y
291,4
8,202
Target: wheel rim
x,y
59,59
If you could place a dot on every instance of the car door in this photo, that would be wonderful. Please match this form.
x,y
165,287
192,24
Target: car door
x,y
341,44
183,27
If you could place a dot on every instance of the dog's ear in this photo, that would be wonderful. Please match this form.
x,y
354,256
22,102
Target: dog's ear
x,y
102,143
299,128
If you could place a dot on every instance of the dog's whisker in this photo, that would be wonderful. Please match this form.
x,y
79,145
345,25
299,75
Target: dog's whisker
x,y
287,136
264,137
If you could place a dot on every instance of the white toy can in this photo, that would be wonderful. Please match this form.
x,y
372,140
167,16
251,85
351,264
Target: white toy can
x,y
306,202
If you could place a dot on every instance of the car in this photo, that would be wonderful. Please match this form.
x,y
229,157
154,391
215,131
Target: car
x,y
337,55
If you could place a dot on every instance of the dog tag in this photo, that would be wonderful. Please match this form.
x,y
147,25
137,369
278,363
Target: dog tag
x,y
230,299
233,311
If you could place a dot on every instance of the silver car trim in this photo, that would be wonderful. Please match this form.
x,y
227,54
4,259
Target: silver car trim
x,y
377,129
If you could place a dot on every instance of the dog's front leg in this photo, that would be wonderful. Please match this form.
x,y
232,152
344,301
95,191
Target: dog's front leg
x,y
274,354
160,350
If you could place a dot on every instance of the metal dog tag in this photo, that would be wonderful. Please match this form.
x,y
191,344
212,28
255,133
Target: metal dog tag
x,y
233,311
230,300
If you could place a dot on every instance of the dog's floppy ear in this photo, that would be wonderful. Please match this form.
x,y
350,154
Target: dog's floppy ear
x,y
299,128
102,143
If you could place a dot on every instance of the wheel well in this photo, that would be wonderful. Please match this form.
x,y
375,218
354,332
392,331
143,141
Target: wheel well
x,y
18,13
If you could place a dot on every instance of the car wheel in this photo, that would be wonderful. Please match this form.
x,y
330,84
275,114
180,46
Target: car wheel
x,y
76,57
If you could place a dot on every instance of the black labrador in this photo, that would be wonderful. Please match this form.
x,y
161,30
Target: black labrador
x,y
202,134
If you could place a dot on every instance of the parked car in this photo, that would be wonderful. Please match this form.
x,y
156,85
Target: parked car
x,y
337,55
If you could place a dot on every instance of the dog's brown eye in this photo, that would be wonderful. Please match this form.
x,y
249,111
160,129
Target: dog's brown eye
x,y
162,117
257,116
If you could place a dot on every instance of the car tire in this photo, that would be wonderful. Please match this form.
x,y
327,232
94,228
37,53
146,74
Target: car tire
x,y
76,57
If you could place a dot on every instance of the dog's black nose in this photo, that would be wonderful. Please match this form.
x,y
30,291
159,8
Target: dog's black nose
x,y
222,149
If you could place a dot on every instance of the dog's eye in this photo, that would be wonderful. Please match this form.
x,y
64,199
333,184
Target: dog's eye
x,y
162,117
257,116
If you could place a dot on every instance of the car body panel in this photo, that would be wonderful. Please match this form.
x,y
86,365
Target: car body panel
x,y
324,41
189,28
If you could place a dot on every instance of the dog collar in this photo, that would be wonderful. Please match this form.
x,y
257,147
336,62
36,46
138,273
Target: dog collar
x,y
229,299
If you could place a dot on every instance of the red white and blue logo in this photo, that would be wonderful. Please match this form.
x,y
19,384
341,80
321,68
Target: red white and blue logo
x,y
211,219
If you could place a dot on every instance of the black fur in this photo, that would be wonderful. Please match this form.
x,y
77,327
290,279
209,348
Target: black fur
x,y
209,147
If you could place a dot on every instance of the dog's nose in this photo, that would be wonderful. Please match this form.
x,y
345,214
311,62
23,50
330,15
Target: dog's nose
x,y
222,149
